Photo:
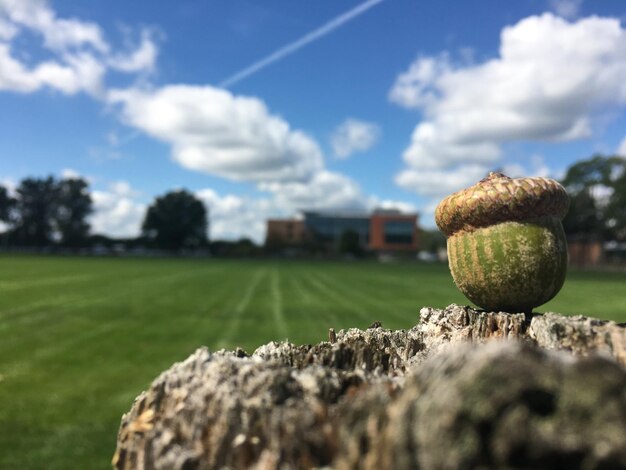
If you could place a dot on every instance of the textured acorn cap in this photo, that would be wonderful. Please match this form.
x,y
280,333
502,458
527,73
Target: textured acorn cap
x,y
498,198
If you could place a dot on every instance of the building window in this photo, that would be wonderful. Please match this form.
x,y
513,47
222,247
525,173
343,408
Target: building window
x,y
399,232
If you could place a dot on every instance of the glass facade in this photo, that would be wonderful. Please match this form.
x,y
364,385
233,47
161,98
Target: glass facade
x,y
399,232
329,228
376,232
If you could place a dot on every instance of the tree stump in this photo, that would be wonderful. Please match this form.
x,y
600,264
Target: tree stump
x,y
461,389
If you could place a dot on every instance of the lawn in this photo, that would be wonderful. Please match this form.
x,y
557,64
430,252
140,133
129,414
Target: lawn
x,y
81,337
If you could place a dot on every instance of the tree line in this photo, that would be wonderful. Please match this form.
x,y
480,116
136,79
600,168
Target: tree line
x,y
46,211
50,212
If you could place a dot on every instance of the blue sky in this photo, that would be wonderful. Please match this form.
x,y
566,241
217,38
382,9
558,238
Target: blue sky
x,y
264,108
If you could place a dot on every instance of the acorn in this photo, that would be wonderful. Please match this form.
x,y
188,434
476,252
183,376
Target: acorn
x,y
506,246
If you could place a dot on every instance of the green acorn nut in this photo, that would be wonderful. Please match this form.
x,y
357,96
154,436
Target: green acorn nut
x,y
506,245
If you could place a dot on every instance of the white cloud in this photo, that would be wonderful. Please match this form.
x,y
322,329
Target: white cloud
x,y
537,167
68,173
117,211
123,189
77,72
621,150
540,168
81,72
141,59
59,34
354,136
514,170
433,146
388,204
9,184
566,8
325,190
216,132
417,86
233,217
80,55
440,182
550,81
7,29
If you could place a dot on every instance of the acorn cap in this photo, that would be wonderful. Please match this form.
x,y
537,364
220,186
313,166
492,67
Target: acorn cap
x,y
498,198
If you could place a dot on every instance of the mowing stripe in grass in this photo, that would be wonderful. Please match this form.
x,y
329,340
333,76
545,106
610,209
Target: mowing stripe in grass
x,y
63,324
207,325
57,348
127,288
240,308
367,297
331,292
398,274
14,316
300,306
328,314
20,285
127,285
277,306
301,291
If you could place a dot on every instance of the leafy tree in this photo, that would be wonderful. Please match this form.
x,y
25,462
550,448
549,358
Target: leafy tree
x,y
432,240
74,205
7,206
36,211
7,213
349,243
597,188
583,217
616,208
175,221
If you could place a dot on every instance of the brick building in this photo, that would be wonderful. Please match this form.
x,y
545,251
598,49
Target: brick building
x,y
393,231
384,231
285,231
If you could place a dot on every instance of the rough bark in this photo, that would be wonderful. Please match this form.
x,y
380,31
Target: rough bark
x,y
546,391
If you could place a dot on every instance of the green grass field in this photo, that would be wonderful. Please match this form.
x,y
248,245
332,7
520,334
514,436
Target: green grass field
x,y
81,337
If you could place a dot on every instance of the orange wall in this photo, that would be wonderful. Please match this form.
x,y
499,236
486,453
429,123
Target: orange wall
x,y
377,233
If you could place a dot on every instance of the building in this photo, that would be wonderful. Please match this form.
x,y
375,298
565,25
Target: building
x,y
327,228
583,252
383,231
285,232
393,231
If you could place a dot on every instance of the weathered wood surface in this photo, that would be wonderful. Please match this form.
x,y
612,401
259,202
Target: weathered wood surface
x,y
543,392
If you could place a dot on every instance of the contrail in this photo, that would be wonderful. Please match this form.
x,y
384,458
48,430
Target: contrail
x,y
299,43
